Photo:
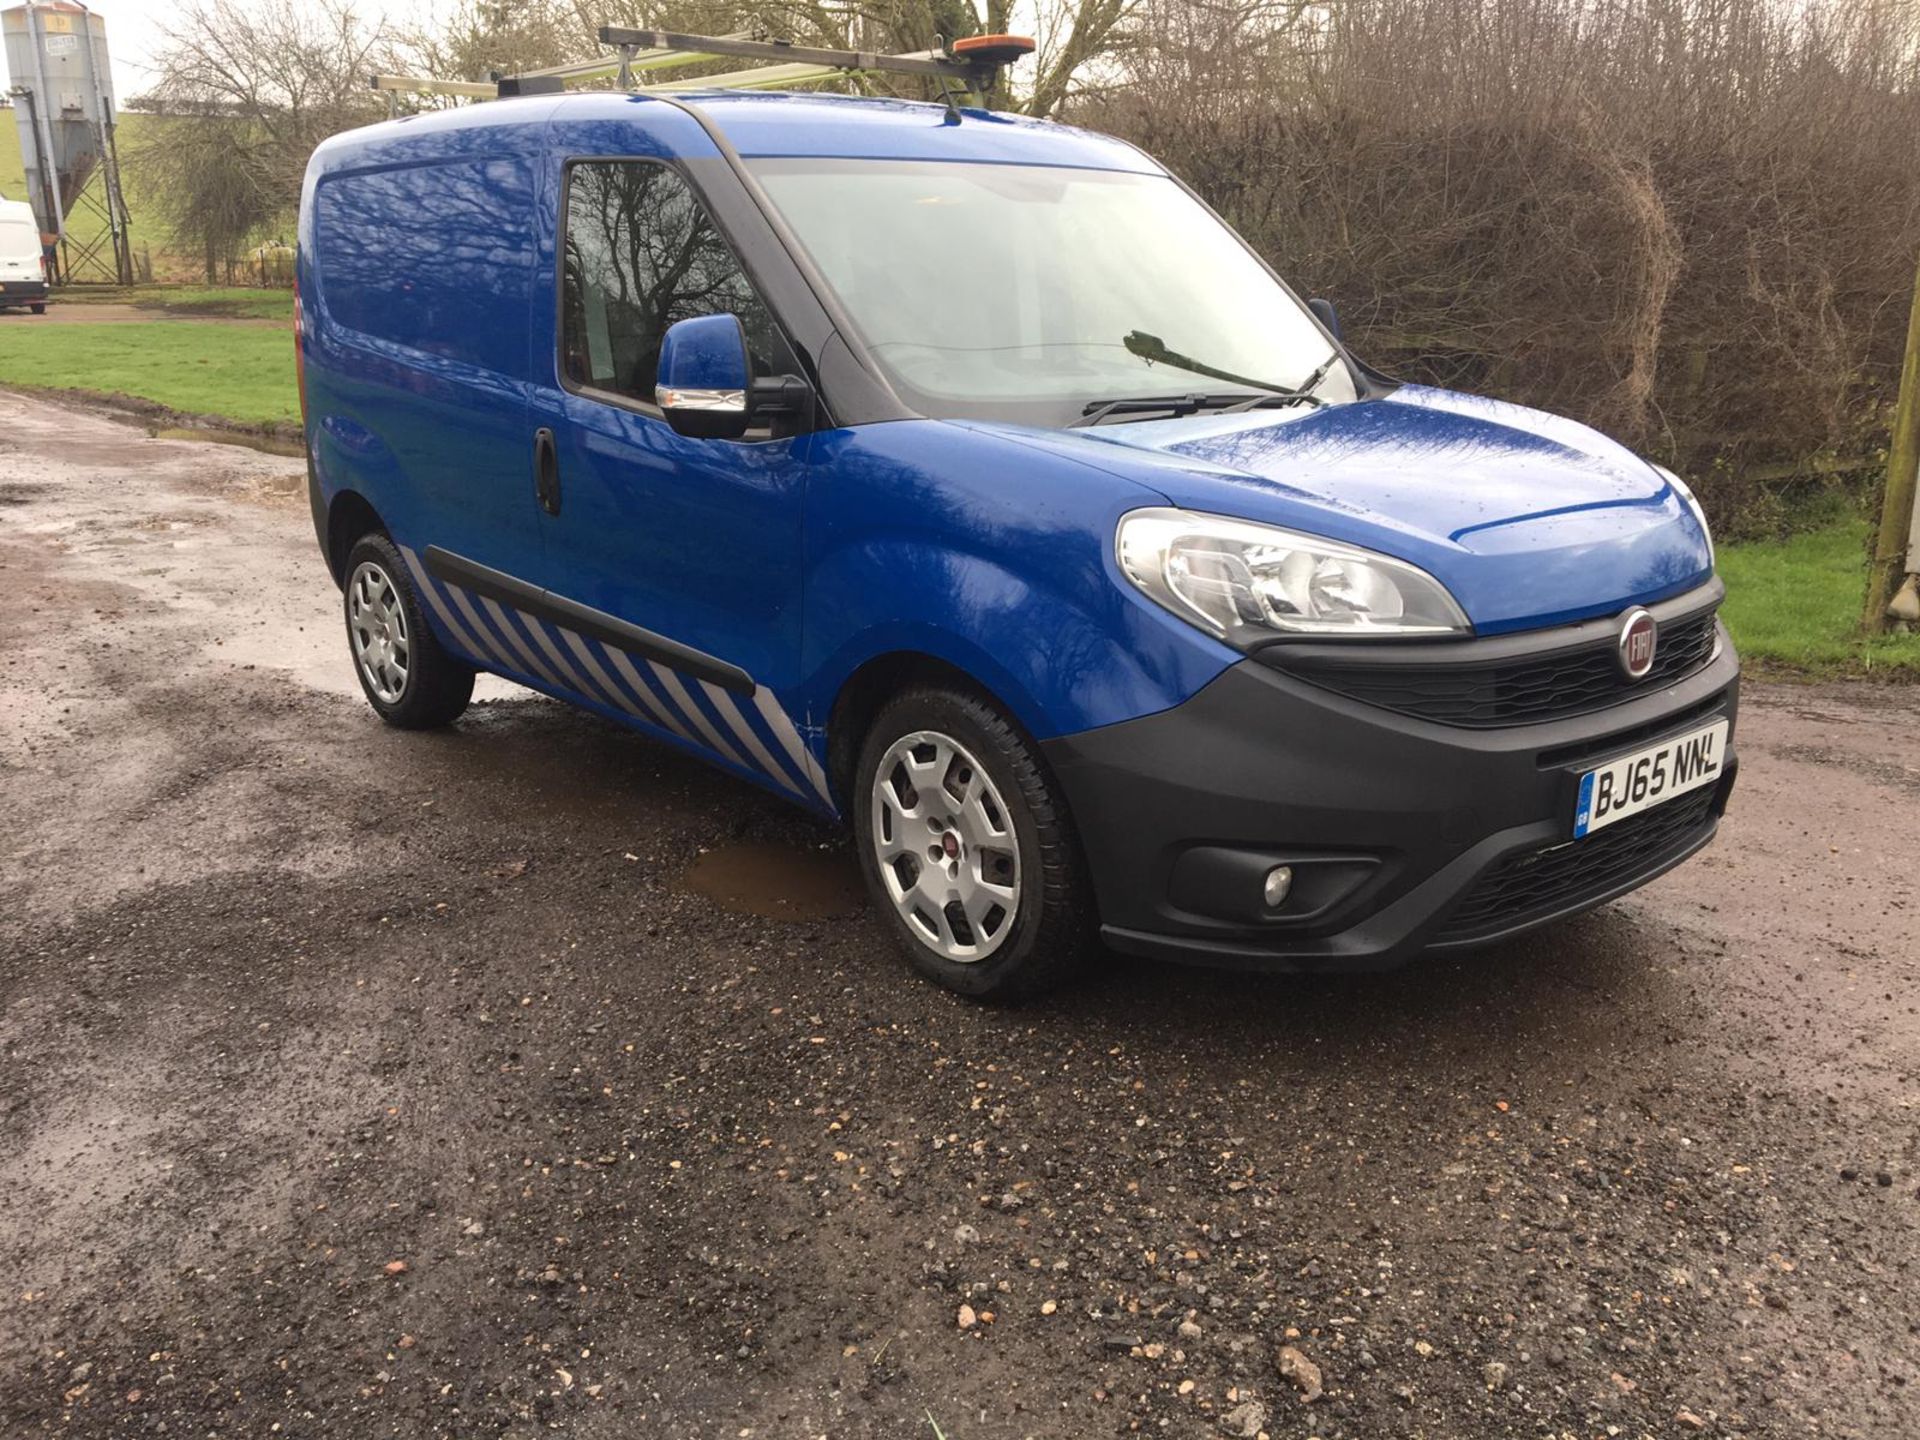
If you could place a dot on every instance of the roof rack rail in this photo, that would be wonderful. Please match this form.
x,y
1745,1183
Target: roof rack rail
x,y
975,63
972,66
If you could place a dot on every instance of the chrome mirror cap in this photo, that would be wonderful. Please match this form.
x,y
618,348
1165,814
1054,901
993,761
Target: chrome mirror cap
x,y
724,402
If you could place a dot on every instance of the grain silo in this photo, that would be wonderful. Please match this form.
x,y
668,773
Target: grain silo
x,y
62,88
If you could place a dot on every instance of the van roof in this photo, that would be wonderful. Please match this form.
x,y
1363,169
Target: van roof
x,y
760,123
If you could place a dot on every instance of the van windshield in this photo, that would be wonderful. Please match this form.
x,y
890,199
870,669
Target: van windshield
x,y
1010,292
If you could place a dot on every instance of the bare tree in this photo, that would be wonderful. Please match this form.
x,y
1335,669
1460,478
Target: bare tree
x,y
294,71
480,38
204,172
1676,219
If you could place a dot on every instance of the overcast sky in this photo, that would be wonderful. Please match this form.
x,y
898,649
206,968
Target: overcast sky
x,y
137,31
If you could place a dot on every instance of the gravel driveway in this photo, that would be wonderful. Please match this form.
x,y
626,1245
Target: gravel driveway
x,y
529,1078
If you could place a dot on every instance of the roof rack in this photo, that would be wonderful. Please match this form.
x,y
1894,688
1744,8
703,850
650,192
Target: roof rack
x,y
971,66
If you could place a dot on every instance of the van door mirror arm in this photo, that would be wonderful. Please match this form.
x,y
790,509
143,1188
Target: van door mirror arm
x,y
1328,317
786,401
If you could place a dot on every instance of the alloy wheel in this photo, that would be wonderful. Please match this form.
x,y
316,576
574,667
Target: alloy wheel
x,y
377,624
945,845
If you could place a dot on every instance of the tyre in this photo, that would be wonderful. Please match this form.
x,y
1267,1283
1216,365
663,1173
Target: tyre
x,y
36,309
408,678
967,847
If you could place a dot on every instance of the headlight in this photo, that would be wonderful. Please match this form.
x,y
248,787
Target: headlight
x,y
1693,504
1246,583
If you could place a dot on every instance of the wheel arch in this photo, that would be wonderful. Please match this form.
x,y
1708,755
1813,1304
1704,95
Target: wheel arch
x,y
349,516
876,681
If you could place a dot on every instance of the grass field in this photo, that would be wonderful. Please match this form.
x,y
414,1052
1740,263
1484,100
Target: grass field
x,y
1796,603
240,372
222,303
189,301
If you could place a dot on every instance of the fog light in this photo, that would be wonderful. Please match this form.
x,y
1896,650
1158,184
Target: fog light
x,y
1279,882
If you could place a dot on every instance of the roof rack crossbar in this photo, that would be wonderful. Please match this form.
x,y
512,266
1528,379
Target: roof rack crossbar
x,y
760,77
422,85
924,63
595,69
786,64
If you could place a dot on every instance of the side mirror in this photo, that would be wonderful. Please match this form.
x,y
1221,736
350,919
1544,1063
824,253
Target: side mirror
x,y
1324,312
704,383
704,377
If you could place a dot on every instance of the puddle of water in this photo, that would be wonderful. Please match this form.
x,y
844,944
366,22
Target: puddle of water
x,y
777,882
264,444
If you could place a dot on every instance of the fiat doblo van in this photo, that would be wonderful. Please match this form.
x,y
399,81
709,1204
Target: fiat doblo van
x,y
965,478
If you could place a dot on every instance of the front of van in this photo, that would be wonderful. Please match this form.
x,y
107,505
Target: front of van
x,y
1471,675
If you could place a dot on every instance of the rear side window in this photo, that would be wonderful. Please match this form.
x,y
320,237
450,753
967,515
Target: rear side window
x,y
438,258
641,254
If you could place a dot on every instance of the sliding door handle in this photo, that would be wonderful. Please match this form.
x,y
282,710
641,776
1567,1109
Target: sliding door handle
x,y
546,471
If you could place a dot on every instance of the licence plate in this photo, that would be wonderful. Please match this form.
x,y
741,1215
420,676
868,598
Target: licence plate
x,y
1643,779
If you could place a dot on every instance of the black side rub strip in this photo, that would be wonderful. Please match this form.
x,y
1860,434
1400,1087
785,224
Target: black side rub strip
x,y
584,619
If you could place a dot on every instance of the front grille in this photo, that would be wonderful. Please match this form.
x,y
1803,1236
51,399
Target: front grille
x,y
1542,881
1515,692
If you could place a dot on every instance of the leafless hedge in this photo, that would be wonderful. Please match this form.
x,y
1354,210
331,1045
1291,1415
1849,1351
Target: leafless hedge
x,y
1693,223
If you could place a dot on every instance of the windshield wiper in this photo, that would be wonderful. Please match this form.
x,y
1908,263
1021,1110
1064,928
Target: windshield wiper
x,y
1172,405
1300,394
1153,349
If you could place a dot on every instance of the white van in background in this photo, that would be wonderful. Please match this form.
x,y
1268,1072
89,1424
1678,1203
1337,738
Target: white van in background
x,y
23,269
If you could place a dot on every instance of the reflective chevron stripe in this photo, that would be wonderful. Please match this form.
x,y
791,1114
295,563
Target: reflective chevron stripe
x,y
518,644
738,723
493,651
790,740
583,651
430,589
651,698
691,709
573,679
760,738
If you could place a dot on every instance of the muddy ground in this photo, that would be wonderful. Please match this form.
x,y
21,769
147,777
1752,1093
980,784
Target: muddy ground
x,y
360,1083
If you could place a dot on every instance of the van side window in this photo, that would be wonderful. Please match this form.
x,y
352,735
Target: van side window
x,y
642,253
405,251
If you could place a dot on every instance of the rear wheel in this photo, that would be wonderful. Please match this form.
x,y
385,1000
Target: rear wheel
x,y
37,309
407,677
967,848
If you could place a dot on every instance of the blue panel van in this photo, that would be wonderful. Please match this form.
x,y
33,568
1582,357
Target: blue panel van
x,y
966,479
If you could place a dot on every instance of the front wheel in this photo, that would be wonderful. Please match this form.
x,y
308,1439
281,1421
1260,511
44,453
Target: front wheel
x,y
36,309
967,848
408,678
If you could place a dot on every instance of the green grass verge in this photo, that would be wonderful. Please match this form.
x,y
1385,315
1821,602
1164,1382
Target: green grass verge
x,y
220,302
239,372
1796,603
236,303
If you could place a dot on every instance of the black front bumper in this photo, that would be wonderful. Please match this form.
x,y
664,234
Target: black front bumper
x,y
1404,834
